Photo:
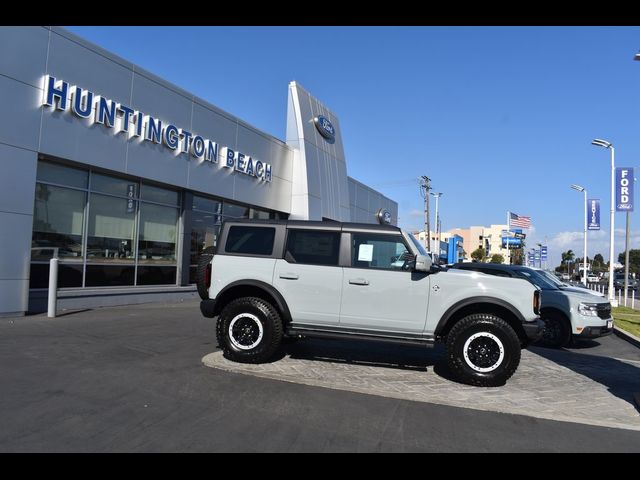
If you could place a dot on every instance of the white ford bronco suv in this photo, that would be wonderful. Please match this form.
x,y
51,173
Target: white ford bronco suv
x,y
271,279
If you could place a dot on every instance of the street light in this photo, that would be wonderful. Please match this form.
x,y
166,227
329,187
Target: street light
x,y
603,143
584,260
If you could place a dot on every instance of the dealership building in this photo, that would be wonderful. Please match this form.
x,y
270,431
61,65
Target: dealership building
x,y
126,178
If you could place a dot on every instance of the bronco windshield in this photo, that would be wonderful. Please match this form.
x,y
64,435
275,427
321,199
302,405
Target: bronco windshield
x,y
416,243
537,279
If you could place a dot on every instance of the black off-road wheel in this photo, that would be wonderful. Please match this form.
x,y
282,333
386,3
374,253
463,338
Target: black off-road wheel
x,y
249,330
556,332
203,260
483,350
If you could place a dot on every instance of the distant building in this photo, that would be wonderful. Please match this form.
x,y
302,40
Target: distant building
x,y
470,239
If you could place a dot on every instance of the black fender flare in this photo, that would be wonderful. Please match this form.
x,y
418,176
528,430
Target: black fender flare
x,y
281,304
453,309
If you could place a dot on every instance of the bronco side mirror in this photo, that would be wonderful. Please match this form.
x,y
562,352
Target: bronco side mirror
x,y
423,263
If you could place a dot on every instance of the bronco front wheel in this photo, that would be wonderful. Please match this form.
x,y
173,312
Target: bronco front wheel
x,y
483,350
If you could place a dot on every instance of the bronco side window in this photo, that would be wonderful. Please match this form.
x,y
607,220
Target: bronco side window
x,y
313,247
387,252
250,240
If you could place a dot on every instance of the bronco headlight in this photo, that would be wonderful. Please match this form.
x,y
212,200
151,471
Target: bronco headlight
x,y
588,309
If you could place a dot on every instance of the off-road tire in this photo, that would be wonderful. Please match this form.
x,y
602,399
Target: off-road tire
x,y
556,332
492,346
203,260
249,310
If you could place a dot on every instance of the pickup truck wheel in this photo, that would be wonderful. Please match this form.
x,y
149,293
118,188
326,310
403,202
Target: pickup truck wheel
x,y
203,260
556,332
483,350
249,330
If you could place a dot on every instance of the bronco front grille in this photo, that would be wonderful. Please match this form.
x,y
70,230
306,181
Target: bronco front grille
x,y
604,311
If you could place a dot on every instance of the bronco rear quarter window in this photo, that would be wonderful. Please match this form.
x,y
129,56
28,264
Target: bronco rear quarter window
x,y
250,240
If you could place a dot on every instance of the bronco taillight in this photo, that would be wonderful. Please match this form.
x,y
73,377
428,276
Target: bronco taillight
x,y
536,302
207,275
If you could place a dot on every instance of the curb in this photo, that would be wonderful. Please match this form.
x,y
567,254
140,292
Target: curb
x,y
632,339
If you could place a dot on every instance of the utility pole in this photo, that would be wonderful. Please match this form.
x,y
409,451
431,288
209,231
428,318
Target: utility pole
x,y
425,186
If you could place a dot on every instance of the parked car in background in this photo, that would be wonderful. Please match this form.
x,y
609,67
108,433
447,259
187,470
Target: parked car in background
x,y
565,276
618,282
593,278
567,314
567,287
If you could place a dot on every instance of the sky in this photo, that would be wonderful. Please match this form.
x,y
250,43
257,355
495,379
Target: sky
x,y
500,118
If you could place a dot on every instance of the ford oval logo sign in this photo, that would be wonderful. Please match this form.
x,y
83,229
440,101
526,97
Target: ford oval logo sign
x,y
384,216
325,128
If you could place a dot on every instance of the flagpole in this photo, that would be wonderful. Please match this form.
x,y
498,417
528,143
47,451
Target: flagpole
x,y
508,232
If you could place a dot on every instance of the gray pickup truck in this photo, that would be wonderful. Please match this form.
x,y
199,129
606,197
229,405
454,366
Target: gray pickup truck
x,y
268,280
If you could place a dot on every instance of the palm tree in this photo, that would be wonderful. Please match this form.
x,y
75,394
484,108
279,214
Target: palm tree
x,y
567,257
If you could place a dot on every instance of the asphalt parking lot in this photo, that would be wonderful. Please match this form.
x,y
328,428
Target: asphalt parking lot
x,y
132,379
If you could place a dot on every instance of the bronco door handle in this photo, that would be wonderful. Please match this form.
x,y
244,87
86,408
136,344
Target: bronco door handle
x,y
358,281
289,276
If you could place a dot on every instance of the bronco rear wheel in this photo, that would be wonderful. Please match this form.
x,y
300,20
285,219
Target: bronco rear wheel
x,y
483,350
249,330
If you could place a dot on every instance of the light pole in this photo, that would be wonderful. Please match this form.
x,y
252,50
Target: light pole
x,y
584,259
603,143
437,197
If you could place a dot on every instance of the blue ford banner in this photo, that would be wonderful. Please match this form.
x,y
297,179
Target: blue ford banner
x,y
624,189
543,252
514,243
593,214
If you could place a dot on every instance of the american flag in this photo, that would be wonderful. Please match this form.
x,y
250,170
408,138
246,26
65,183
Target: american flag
x,y
521,221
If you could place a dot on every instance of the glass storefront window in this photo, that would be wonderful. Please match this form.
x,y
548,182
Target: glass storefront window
x,y
111,229
62,175
256,214
69,275
159,195
158,234
58,220
113,185
205,228
152,275
204,233
206,204
109,275
232,211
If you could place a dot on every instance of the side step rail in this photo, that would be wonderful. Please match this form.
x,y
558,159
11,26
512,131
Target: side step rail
x,y
320,332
